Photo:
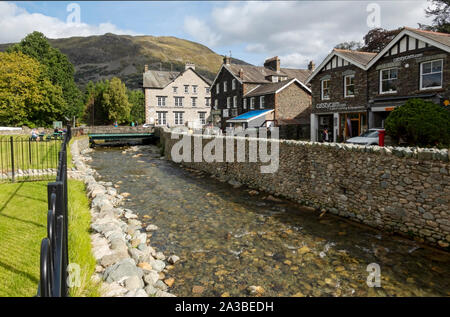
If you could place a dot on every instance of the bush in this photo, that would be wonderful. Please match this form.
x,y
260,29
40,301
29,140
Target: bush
x,y
420,123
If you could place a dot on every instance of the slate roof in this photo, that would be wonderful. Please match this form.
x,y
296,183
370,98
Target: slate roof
x,y
362,58
160,79
258,74
442,38
265,89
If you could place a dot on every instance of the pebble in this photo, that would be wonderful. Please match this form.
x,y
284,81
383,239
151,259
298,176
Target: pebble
x,y
198,289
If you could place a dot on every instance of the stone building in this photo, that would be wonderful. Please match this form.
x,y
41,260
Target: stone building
x,y
238,89
353,91
176,98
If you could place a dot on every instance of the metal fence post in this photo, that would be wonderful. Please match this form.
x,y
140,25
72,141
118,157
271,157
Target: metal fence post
x,y
12,158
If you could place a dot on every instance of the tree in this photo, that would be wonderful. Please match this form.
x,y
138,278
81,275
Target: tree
x,y
58,69
377,39
352,45
440,11
137,101
94,111
27,96
115,101
420,123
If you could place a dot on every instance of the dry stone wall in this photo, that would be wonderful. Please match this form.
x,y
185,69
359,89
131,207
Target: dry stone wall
x,y
403,190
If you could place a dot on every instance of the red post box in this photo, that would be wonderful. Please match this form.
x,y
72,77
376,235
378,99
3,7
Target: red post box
x,y
381,134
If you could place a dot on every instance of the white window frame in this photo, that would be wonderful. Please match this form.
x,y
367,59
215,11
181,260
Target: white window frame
x,y
207,101
233,84
228,102
216,104
217,88
381,80
180,101
186,89
225,86
178,117
161,115
345,86
441,72
261,102
175,89
194,89
194,101
161,101
207,90
252,103
202,120
235,102
244,103
321,89
225,113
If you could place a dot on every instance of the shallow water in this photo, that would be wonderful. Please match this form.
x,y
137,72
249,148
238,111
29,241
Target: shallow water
x,y
228,240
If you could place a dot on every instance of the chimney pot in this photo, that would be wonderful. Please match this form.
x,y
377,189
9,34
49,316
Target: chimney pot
x,y
273,63
311,66
241,73
189,65
145,68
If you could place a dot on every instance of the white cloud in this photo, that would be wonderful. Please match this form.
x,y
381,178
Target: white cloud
x,y
298,31
16,23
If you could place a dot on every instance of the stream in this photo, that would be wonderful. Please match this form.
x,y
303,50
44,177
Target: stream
x,y
229,239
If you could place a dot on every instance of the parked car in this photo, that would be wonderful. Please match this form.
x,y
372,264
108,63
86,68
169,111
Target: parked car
x,y
148,125
370,137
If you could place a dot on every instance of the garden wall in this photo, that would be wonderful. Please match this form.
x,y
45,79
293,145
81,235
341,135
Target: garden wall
x,y
402,190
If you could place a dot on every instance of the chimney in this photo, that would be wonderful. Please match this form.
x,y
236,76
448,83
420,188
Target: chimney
x,y
189,65
311,66
227,60
273,63
241,73
145,68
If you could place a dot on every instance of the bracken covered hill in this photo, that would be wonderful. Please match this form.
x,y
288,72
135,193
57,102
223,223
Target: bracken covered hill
x,y
124,56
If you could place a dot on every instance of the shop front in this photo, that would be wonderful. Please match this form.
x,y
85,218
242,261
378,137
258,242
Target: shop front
x,y
341,121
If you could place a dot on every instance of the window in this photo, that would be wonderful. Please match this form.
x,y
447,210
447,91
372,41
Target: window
x,y
217,88
186,89
202,117
228,102
431,74
252,103
224,86
161,117
161,101
194,89
175,90
244,104
216,104
225,113
207,102
233,84
349,86
178,117
194,101
178,101
207,90
261,102
234,102
388,80
325,89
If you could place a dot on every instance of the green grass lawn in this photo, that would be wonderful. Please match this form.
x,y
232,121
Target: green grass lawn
x,y
23,221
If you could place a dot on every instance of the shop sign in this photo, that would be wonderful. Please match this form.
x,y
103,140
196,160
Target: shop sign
x,y
337,106
404,58
389,108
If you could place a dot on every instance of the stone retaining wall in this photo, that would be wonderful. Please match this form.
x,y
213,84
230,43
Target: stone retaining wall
x,y
109,129
403,190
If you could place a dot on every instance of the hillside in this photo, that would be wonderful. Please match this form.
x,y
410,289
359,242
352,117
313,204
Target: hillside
x,y
124,56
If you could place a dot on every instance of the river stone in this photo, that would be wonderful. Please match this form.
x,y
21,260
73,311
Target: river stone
x,y
134,282
141,293
151,277
173,259
113,258
158,265
118,271
150,290
161,285
118,244
160,256
111,191
160,293
112,289
151,228
142,247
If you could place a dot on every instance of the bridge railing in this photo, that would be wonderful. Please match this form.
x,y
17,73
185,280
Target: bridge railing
x,y
54,248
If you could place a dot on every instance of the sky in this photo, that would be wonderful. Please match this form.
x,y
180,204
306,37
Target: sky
x,y
296,31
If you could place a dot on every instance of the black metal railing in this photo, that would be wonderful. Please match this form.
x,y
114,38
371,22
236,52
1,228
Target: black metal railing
x,y
25,158
54,248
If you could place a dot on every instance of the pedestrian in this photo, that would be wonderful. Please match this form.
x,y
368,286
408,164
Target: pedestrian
x,y
115,124
132,123
325,136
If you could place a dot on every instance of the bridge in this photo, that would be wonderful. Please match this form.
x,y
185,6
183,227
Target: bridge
x,y
108,138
